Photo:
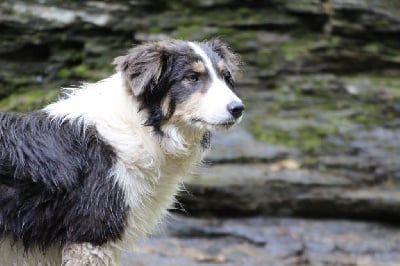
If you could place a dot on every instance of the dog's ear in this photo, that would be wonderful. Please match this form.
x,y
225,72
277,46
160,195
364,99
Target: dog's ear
x,y
231,59
142,66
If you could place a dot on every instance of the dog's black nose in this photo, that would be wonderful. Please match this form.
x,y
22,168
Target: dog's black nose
x,y
236,109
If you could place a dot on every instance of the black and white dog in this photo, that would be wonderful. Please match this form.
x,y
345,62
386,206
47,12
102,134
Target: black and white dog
x,y
87,175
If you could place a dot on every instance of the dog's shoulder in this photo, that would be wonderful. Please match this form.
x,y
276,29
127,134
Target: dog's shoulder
x,y
37,148
56,179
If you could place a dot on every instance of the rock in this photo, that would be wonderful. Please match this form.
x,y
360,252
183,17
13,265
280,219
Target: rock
x,y
239,145
237,190
284,247
315,84
376,16
269,20
258,174
272,241
150,37
290,37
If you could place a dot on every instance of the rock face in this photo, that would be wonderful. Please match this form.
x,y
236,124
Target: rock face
x,y
320,80
273,242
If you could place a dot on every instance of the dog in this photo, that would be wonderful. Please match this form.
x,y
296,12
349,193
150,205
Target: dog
x,y
86,176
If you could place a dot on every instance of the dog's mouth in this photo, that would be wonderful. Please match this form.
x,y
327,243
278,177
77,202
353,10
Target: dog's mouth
x,y
227,124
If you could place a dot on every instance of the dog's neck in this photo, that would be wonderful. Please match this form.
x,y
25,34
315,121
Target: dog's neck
x,y
179,141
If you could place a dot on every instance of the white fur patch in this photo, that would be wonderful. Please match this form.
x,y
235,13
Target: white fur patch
x,y
197,49
213,105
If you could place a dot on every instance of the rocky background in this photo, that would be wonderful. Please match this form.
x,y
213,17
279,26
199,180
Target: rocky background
x,y
320,138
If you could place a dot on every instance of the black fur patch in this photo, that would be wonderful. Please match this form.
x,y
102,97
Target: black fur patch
x,y
206,140
216,50
55,186
151,70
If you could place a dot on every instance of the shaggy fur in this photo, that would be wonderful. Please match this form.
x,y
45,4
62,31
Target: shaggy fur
x,y
91,173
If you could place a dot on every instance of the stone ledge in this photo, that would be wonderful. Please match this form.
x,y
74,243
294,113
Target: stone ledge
x,y
251,189
239,145
271,241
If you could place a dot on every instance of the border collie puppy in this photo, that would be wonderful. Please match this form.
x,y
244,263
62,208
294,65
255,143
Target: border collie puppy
x,y
89,174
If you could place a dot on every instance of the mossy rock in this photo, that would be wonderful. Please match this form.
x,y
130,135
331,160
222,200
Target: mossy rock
x,y
28,100
305,138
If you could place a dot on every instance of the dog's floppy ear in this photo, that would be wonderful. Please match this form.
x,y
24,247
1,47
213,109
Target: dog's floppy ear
x,y
231,59
142,66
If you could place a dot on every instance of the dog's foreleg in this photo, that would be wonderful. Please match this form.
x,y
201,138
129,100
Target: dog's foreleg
x,y
86,254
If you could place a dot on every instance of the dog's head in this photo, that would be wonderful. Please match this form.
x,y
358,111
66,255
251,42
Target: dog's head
x,y
188,84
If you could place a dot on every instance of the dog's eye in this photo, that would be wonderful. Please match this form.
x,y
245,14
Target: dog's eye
x,y
193,77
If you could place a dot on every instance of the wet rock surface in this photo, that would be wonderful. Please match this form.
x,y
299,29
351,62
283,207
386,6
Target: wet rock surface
x,y
239,145
271,241
277,180
53,42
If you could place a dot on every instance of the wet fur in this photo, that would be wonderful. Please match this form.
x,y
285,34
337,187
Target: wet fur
x,y
99,168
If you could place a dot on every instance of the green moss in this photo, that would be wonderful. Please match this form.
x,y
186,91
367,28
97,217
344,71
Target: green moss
x,y
293,49
304,138
274,136
81,70
372,115
313,137
373,48
22,80
64,73
244,11
29,100
155,29
185,32
85,72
